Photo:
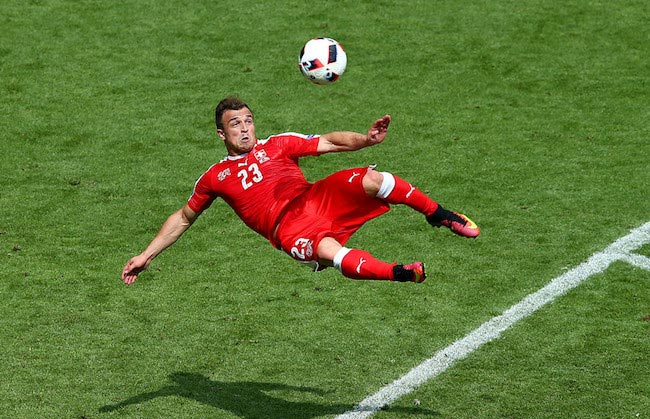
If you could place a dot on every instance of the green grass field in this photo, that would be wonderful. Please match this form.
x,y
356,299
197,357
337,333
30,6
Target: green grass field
x,y
531,117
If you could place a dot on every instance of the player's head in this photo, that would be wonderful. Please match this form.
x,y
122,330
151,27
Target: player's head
x,y
232,103
235,126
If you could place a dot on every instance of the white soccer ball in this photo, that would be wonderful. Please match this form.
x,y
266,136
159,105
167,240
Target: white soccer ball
x,y
322,60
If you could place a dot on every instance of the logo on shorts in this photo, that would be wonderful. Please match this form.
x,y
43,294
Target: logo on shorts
x,y
303,249
354,174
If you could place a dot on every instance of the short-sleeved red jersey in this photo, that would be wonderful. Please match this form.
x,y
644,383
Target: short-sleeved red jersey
x,y
260,184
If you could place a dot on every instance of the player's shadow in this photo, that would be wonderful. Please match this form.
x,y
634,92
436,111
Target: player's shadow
x,y
247,400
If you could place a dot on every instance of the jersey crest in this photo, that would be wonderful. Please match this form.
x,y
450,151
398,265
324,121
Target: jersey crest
x,y
261,156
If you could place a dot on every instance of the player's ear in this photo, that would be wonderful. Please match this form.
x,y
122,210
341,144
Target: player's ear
x,y
221,134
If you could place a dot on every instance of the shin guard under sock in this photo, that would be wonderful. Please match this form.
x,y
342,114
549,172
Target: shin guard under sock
x,y
359,264
398,191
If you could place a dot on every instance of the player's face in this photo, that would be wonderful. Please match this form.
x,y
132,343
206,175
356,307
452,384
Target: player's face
x,y
238,131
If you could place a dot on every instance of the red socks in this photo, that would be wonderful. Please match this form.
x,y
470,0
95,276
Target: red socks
x,y
359,264
398,191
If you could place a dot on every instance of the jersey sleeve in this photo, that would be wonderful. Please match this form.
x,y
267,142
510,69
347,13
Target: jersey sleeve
x,y
297,145
202,194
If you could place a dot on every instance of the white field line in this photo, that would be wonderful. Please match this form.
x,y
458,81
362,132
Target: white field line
x,y
620,250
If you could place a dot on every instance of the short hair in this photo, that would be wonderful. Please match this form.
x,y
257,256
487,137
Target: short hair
x,y
230,103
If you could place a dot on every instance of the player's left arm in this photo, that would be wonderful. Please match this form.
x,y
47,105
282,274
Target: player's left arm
x,y
349,141
171,230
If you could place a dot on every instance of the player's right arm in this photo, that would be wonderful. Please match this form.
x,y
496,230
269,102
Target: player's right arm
x,y
171,230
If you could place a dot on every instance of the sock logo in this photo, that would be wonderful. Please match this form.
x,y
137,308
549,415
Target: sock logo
x,y
361,262
354,174
411,191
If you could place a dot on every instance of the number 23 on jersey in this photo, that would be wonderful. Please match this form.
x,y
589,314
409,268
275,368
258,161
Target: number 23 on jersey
x,y
250,176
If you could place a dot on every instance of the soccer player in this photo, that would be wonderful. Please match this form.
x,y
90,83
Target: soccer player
x,y
311,222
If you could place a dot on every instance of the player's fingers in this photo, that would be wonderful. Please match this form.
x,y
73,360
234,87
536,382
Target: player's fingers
x,y
127,269
130,279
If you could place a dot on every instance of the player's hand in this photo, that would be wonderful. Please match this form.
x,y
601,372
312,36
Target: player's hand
x,y
133,267
378,130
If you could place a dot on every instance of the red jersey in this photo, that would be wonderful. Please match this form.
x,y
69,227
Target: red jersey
x,y
260,184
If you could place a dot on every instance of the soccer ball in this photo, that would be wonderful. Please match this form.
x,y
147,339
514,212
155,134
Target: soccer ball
x,y
322,60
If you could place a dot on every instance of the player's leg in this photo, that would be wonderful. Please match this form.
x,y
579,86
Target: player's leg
x,y
359,264
395,190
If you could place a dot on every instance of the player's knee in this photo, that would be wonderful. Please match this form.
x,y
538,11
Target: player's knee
x,y
327,249
372,182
